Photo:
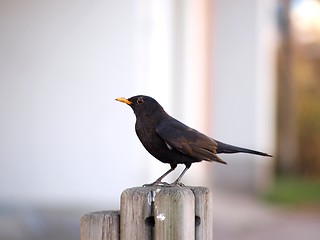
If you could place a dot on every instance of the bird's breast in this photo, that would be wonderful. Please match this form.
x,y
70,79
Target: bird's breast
x,y
152,142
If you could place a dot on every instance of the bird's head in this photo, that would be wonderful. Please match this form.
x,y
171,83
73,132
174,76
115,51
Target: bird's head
x,y
141,104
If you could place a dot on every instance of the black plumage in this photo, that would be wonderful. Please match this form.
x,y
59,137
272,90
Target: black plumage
x,y
171,141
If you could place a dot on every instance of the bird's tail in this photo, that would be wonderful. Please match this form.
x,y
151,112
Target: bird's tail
x,y
226,148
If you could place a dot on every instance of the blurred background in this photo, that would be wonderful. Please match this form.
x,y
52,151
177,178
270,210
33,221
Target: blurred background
x,y
244,72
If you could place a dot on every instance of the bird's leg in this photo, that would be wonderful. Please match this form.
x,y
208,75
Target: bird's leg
x,y
177,182
158,181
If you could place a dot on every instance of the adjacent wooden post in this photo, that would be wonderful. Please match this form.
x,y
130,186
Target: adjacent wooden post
x,y
157,212
100,226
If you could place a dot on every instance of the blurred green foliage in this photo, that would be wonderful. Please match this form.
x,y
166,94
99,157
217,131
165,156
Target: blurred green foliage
x,y
294,191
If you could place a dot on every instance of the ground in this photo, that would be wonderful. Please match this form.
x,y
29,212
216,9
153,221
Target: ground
x,y
244,217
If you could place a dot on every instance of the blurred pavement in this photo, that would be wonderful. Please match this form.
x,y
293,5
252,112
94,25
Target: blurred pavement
x,y
243,217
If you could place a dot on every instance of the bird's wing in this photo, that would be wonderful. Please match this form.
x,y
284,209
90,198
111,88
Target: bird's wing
x,y
188,141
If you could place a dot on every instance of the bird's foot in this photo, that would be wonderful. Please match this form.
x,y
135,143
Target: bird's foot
x,y
180,184
164,184
156,183
176,184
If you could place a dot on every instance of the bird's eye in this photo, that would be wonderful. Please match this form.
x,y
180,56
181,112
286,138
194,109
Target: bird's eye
x,y
140,100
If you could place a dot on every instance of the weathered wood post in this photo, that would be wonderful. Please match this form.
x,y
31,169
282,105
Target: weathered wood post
x,y
157,212
104,225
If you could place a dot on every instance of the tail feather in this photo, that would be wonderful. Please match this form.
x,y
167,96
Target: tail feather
x,y
226,148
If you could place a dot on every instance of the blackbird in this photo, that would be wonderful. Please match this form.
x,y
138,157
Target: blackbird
x,y
171,141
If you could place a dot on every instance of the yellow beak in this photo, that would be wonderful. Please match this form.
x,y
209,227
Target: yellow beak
x,y
124,100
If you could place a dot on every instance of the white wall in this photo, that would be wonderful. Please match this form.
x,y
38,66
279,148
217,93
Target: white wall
x,y
62,63
63,137
243,89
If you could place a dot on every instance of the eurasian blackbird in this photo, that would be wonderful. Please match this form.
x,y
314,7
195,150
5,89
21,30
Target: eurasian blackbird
x,y
171,141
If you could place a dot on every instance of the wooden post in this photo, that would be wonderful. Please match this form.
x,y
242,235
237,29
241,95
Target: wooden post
x,y
100,226
160,213
203,213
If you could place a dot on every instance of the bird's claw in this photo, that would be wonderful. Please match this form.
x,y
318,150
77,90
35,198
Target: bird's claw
x,y
176,184
164,184
179,184
156,184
